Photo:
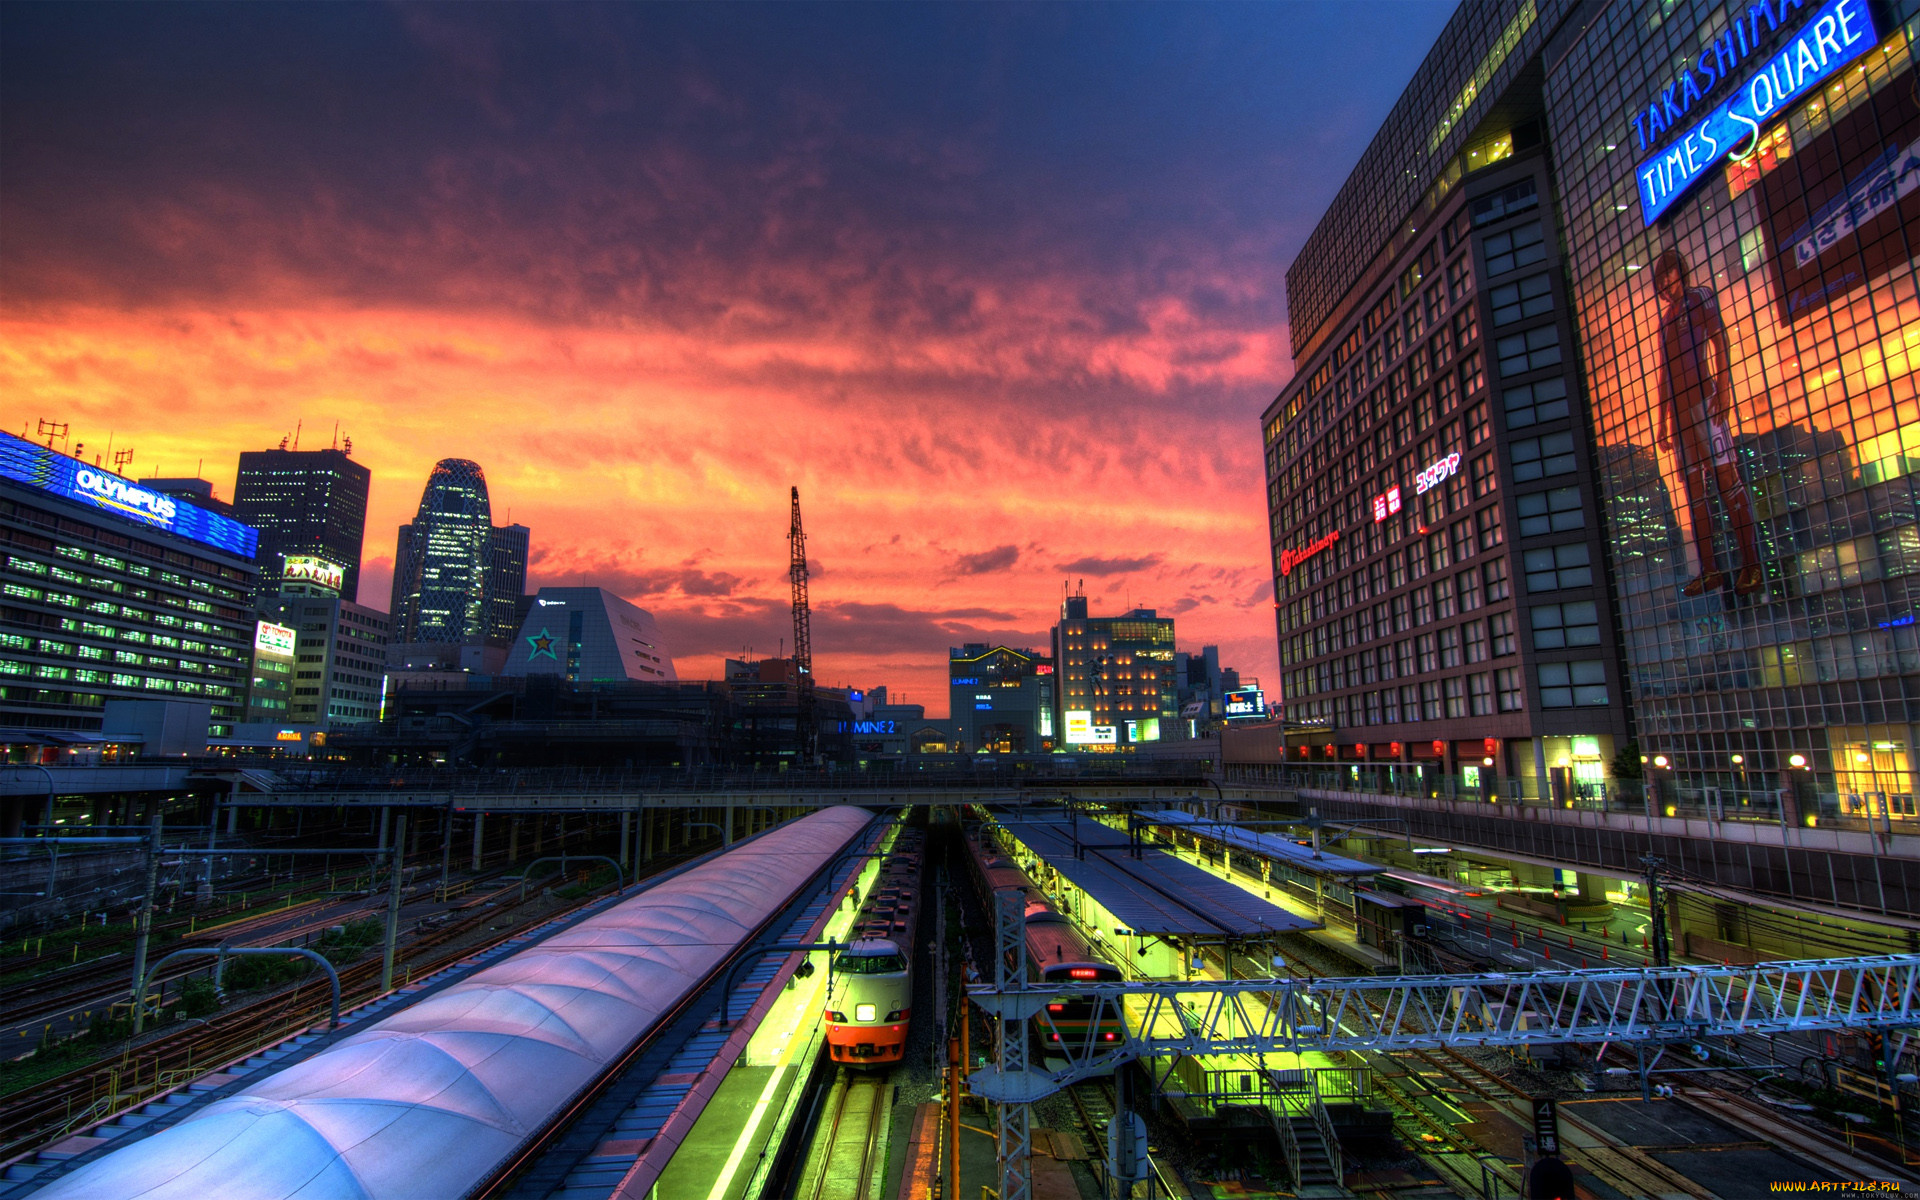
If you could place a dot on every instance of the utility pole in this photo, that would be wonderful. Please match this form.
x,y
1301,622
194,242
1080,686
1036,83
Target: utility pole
x,y
143,924
393,904
1657,908
808,736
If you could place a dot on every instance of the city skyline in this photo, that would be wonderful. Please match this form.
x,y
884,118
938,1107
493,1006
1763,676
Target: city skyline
x,y
1005,333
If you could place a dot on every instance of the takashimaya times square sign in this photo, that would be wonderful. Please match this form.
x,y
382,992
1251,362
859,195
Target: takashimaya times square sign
x,y
1833,36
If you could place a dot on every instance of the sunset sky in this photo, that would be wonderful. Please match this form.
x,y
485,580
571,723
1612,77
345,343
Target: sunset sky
x,y
1000,288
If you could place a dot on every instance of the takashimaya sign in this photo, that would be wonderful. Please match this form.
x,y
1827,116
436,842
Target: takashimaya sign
x,y
1289,559
1832,37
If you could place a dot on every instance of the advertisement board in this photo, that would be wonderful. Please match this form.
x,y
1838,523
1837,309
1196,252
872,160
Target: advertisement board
x,y
274,639
305,568
71,479
1079,730
1103,735
1245,704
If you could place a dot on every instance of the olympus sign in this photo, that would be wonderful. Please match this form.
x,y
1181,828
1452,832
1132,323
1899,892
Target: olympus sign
x,y
120,494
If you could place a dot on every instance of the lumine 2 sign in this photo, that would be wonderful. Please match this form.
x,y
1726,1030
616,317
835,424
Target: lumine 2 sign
x,y
1834,36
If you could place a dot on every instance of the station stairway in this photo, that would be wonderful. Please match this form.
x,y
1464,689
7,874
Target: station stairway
x,y
1312,1164
1306,1133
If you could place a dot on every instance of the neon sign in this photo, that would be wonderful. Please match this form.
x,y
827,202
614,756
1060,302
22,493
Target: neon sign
x,y
1289,559
70,479
1838,33
1386,504
872,727
1436,474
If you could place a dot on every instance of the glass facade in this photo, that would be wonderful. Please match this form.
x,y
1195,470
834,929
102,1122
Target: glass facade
x,y
1749,359
1697,326
444,560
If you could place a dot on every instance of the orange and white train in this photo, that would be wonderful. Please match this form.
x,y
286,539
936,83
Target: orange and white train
x,y
869,1003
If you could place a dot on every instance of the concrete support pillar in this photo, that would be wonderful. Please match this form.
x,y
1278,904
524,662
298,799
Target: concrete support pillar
x,y
479,823
1540,768
539,832
1593,888
385,814
513,839
233,818
727,838
626,836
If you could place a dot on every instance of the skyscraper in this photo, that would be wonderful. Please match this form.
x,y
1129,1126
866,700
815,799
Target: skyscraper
x,y
304,503
506,581
456,577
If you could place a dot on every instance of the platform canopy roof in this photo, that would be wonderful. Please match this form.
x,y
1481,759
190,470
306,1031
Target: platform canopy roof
x,y
1156,894
1280,849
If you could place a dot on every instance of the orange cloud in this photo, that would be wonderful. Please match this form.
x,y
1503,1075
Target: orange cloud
x,y
949,483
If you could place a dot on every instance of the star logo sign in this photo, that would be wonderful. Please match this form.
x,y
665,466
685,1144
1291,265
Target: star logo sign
x,y
542,643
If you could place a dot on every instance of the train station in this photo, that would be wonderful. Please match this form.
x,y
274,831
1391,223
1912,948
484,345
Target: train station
x,y
1073,997
1570,851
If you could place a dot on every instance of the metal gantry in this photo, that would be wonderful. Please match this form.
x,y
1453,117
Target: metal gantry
x,y
1878,993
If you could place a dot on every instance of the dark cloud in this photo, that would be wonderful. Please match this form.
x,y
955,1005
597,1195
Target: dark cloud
x,y
1109,566
839,628
987,561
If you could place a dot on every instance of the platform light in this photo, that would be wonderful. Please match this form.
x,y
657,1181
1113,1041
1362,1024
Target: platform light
x,y
1659,760
1486,762
1738,759
1798,760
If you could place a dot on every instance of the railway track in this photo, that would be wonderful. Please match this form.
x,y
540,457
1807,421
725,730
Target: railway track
x,y
1093,1106
844,1162
95,1091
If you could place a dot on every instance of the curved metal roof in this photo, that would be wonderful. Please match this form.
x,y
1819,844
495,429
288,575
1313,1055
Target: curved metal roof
x,y
429,1101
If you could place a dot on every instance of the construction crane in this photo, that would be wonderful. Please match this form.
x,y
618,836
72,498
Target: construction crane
x,y
808,735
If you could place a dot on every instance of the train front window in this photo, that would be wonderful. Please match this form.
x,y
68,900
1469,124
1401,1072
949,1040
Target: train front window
x,y
870,964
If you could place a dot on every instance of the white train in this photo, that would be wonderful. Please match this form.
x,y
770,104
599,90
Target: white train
x,y
870,1003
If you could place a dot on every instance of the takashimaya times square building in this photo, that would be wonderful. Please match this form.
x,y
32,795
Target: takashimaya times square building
x,y
1603,441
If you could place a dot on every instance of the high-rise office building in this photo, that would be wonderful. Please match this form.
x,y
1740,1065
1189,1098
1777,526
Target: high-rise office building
x,y
306,503
114,591
1115,683
506,582
1604,415
458,578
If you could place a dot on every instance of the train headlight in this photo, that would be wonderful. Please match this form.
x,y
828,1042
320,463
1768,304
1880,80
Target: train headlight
x,y
864,1012
899,1014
